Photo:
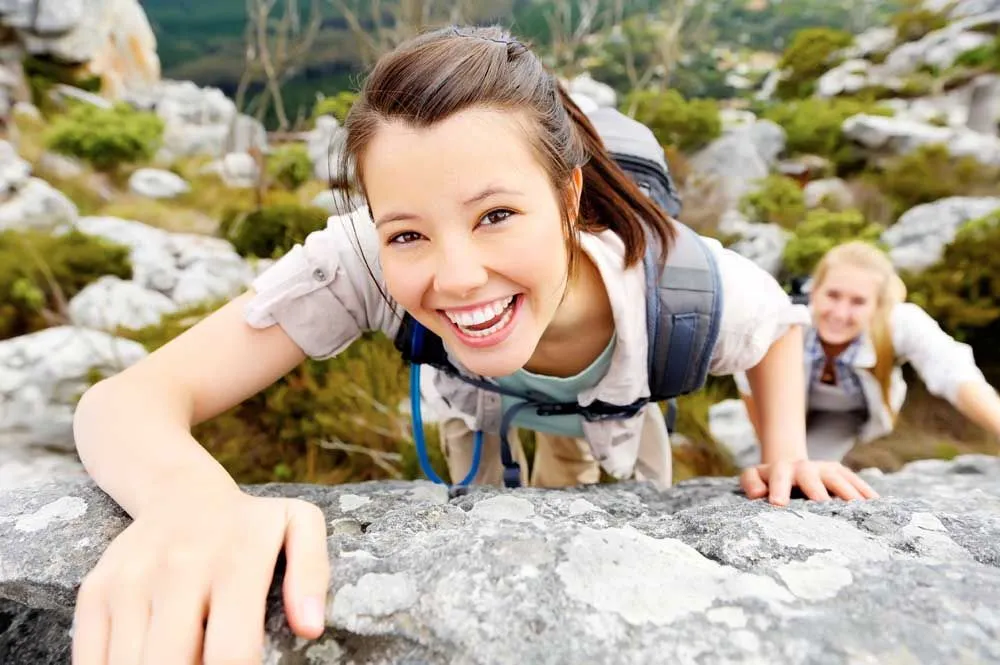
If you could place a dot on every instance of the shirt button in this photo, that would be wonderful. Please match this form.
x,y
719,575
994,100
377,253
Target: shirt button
x,y
319,274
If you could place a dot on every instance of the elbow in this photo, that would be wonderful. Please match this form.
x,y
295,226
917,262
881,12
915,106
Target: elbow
x,y
93,406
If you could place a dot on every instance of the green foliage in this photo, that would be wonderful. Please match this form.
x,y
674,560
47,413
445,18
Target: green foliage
x,y
687,125
962,291
779,200
807,58
272,230
987,56
290,166
37,268
814,127
915,21
821,231
703,455
931,173
339,105
107,138
42,74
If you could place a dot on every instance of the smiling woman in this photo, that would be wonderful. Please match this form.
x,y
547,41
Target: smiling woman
x,y
496,218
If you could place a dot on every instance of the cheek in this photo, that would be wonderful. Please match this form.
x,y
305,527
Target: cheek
x,y
402,279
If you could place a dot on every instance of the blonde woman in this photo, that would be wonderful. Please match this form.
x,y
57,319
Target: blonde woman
x,y
863,331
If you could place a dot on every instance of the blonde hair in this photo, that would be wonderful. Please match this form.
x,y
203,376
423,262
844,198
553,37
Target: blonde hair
x,y
890,293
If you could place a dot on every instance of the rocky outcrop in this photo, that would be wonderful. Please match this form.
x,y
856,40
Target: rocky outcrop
x,y
739,158
111,39
898,136
604,574
917,241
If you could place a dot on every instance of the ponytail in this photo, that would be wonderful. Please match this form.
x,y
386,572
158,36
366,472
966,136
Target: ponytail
x,y
610,198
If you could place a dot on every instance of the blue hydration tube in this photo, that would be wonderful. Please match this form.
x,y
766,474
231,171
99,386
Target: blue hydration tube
x,y
418,423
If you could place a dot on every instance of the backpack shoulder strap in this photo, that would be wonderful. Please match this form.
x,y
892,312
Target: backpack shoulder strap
x,y
683,312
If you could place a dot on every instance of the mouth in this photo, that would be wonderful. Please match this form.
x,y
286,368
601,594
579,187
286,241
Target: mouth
x,y
486,325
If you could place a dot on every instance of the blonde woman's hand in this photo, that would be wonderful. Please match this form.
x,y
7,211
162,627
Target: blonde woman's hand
x,y
817,480
187,583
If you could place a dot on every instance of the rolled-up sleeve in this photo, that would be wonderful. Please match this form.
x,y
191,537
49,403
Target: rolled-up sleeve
x,y
942,362
756,312
321,292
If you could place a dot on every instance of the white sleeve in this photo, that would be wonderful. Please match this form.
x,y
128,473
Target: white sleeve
x,y
756,312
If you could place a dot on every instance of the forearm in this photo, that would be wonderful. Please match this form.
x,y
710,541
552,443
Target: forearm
x,y
751,407
136,444
979,402
778,388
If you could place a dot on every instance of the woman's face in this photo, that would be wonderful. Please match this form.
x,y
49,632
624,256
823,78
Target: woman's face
x,y
471,237
844,303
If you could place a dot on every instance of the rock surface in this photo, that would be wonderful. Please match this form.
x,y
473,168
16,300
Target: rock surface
x,y
605,574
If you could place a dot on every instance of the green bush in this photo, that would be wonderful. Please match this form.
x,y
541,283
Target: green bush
x,y
43,73
339,105
687,125
37,268
814,127
290,166
987,55
931,173
106,138
779,200
272,230
962,291
821,231
809,56
915,22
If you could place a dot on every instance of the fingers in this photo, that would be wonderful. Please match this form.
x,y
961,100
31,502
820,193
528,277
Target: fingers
x,y
91,624
308,569
237,605
177,617
129,620
753,485
780,478
811,481
864,488
837,478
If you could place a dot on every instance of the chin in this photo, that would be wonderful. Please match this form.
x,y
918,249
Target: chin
x,y
837,337
493,363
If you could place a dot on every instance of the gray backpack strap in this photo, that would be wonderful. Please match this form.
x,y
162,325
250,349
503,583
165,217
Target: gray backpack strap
x,y
634,147
683,312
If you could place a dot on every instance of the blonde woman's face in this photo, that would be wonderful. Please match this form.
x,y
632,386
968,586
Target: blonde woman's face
x,y
844,303
471,236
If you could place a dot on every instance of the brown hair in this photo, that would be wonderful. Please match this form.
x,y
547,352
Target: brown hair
x,y
891,291
435,75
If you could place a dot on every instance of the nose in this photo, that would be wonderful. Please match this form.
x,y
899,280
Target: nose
x,y
460,270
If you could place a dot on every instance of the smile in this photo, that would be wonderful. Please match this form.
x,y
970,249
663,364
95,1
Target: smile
x,y
485,325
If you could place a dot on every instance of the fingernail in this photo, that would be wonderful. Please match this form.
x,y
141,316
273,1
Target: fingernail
x,y
313,613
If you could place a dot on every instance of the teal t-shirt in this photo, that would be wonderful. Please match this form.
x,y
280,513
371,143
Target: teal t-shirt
x,y
554,389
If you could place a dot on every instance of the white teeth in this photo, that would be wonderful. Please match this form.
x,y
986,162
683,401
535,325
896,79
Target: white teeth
x,y
504,320
478,316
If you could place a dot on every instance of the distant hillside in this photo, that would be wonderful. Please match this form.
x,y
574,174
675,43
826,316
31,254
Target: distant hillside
x,y
203,41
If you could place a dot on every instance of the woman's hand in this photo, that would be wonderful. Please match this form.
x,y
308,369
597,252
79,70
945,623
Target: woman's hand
x,y
817,480
187,583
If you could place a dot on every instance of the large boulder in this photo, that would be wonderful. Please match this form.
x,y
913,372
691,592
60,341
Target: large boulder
x,y
918,239
35,204
44,373
898,136
604,574
735,161
112,39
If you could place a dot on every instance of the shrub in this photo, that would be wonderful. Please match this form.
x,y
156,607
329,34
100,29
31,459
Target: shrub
x,y
272,230
43,73
931,173
339,105
809,56
962,291
987,56
779,200
821,231
290,166
686,125
915,22
107,138
814,126
36,269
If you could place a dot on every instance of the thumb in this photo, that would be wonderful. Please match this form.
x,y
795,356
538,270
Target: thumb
x,y
307,571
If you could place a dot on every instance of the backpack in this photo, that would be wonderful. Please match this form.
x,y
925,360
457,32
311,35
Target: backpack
x,y
683,308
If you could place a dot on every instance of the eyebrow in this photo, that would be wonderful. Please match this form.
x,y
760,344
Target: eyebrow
x,y
492,190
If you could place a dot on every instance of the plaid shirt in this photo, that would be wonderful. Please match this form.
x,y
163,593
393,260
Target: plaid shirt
x,y
843,364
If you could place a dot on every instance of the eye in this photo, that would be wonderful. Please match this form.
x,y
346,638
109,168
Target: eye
x,y
859,302
497,216
404,238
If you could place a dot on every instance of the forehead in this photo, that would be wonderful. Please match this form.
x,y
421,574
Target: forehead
x,y
851,280
453,157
